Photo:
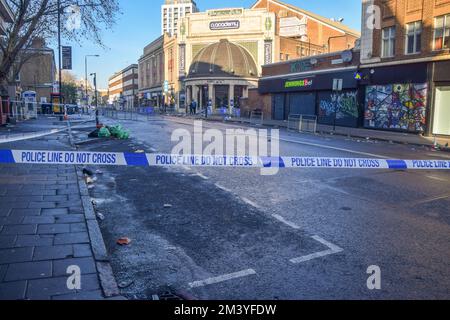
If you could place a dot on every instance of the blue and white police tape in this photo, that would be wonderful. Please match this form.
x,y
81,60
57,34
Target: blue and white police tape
x,y
165,160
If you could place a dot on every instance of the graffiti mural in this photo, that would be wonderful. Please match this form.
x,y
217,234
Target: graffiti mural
x,y
396,107
344,103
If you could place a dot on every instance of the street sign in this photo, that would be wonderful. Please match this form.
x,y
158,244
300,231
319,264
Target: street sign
x,y
66,58
358,76
338,84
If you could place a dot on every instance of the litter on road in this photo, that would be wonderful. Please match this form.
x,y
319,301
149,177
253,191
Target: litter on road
x,y
124,241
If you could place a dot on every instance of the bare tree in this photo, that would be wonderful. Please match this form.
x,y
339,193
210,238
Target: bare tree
x,y
81,19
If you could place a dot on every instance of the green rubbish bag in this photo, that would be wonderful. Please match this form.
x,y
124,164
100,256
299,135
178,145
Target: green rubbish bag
x,y
119,133
104,133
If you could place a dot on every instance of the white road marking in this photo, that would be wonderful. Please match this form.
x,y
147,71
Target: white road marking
x,y
288,223
250,202
332,249
223,188
223,278
437,178
198,174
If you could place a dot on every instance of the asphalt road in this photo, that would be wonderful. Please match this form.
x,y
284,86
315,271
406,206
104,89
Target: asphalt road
x,y
301,234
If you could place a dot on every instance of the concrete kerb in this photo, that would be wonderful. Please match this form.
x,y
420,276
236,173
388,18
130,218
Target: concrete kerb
x,y
105,273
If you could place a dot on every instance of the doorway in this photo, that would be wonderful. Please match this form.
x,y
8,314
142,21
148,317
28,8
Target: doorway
x,y
441,123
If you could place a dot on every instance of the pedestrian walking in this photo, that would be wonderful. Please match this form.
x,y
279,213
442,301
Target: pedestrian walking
x,y
194,106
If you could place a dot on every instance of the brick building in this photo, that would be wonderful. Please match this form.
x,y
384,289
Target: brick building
x,y
151,74
304,33
38,73
123,87
405,62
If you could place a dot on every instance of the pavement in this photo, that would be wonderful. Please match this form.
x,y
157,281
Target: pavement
x,y
47,224
210,233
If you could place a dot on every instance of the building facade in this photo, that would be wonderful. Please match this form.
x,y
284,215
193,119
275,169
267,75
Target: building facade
x,y
151,74
6,16
172,12
221,52
306,87
405,65
123,88
304,33
38,72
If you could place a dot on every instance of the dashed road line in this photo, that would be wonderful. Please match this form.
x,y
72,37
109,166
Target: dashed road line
x,y
222,278
217,185
250,202
288,223
332,249
198,174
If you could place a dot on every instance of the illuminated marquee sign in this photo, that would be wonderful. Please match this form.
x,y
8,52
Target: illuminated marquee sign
x,y
225,25
225,12
298,83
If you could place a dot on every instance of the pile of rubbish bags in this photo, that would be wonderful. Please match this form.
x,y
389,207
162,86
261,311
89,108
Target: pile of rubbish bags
x,y
114,131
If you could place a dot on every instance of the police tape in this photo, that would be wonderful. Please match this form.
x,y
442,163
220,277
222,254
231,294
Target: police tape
x,y
166,160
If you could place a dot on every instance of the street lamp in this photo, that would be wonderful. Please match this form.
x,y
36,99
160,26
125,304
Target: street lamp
x,y
86,73
97,122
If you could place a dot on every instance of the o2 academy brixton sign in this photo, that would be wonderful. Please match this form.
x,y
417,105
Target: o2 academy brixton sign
x,y
225,25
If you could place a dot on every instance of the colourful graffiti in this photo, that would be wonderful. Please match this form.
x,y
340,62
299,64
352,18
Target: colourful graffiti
x,y
345,104
396,107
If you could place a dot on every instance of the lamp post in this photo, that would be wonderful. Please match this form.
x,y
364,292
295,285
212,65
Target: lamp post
x,y
97,122
58,4
86,73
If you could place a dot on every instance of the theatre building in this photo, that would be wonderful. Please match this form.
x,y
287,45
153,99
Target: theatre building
x,y
221,52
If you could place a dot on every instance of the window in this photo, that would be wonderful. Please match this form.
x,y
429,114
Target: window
x,y
413,37
442,32
287,57
388,42
281,57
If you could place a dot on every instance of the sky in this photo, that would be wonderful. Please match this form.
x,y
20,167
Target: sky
x,y
140,23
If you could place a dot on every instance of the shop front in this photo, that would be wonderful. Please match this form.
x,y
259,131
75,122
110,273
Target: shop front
x,y
312,94
396,98
441,98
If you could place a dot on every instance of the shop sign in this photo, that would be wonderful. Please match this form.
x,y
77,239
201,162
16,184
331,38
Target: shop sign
x,y
182,61
225,25
298,83
225,12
